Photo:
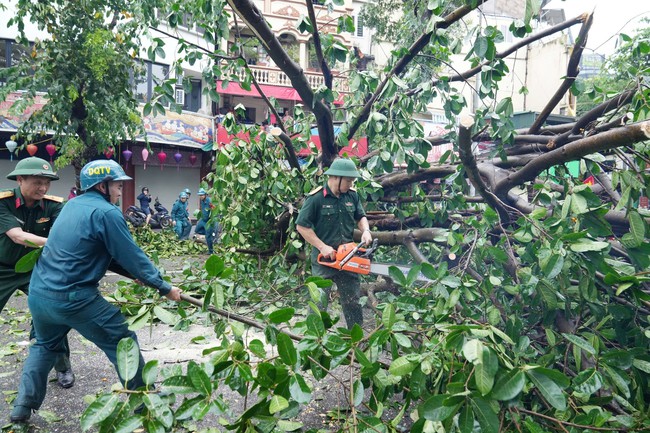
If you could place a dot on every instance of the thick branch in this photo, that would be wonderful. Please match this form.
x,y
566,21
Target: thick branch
x,y
255,21
605,141
471,169
327,73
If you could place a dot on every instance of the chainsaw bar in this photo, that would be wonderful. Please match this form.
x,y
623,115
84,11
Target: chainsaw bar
x,y
383,269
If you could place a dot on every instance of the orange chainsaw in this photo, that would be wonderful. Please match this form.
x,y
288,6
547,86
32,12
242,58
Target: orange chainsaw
x,y
353,257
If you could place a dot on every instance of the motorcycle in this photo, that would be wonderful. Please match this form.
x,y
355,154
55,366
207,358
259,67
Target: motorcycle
x,y
160,219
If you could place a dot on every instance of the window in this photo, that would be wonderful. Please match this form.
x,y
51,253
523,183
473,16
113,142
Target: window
x,y
12,54
359,27
147,77
192,100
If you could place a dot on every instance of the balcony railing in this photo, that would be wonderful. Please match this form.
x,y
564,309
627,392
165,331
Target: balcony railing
x,y
275,77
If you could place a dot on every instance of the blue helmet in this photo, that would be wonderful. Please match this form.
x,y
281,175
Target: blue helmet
x,y
182,195
202,192
187,191
102,170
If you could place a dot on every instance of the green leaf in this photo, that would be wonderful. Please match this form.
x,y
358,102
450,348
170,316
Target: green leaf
x,y
150,372
257,348
357,392
128,425
637,227
200,379
466,420
388,316
27,262
486,417
397,275
485,369
287,350
278,403
214,266
588,382
282,315
285,425
438,408
581,343
128,358
548,388
584,245
509,385
299,389
99,410
356,333
642,365
164,315
401,366
158,409
472,350
178,385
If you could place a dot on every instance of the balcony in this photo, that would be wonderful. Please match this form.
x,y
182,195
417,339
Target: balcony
x,y
275,77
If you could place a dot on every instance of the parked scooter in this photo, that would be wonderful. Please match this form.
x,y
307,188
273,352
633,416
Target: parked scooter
x,y
160,219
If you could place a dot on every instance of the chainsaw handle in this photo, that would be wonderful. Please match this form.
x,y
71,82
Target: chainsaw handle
x,y
324,259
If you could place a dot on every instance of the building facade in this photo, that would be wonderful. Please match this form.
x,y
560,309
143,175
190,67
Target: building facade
x,y
176,159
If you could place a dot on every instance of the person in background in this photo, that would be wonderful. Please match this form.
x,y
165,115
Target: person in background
x,y
73,193
145,198
89,234
189,195
327,220
203,227
27,214
181,217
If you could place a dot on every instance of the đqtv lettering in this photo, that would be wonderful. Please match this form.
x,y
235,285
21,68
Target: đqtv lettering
x,y
98,170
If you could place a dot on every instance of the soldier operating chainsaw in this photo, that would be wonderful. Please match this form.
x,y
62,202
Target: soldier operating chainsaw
x,y
327,219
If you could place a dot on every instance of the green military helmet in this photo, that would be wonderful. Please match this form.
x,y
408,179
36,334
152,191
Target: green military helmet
x,y
102,170
33,166
343,167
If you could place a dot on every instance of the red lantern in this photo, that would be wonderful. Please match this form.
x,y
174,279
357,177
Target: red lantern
x,y
162,157
32,149
108,153
51,150
192,159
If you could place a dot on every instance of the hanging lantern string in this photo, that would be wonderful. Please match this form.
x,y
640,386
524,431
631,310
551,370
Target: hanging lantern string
x,y
39,142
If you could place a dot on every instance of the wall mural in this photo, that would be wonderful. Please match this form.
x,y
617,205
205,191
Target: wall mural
x,y
185,129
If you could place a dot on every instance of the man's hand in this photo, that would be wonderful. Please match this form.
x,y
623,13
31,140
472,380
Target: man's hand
x,y
174,294
366,237
328,252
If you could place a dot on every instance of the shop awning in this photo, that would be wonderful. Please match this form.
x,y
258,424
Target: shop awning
x,y
278,92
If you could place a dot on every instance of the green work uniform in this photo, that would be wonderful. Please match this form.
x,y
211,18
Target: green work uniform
x,y
333,219
36,220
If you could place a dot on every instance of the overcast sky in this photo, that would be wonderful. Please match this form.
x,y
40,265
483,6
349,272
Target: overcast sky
x,y
611,17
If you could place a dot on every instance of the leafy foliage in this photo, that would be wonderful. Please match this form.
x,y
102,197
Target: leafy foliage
x,y
86,66
165,243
